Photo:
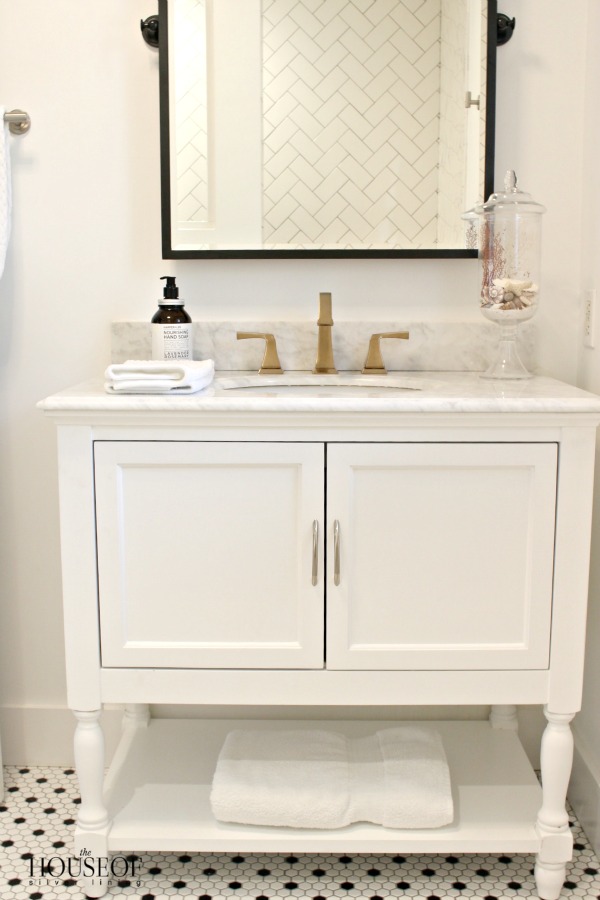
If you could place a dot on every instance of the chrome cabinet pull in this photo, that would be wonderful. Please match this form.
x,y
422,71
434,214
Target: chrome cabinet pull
x,y
336,552
315,553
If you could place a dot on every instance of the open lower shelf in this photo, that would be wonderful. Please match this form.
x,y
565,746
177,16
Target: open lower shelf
x,y
159,785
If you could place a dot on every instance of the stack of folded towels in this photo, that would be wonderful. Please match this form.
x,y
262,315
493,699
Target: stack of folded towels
x,y
147,376
397,777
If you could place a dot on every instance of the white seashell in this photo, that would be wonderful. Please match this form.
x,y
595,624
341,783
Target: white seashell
x,y
515,286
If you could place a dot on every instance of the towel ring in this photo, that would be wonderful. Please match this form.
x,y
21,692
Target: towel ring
x,y
18,121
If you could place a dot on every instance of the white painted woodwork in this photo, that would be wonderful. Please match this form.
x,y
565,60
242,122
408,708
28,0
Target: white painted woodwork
x,y
205,554
504,716
465,526
446,555
556,761
79,566
90,839
553,820
571,568
300,687
496,795
89,759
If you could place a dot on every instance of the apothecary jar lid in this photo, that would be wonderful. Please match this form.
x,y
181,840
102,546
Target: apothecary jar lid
x,y
510,200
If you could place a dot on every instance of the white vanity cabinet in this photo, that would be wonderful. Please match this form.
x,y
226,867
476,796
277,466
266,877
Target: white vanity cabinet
x,y
426,548
210,554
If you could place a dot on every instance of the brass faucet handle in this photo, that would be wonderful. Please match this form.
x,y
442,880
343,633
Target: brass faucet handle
x,y
270,364
325,313
374,361
324,363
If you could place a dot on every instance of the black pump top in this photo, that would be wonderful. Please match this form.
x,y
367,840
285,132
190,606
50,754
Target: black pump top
x,y
170,289
170,293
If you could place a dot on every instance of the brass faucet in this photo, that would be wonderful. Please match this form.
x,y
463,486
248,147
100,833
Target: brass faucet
x,y
374,361
324,364
270,364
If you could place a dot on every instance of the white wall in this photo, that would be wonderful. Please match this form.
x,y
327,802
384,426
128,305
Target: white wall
x,y
585,786
86,250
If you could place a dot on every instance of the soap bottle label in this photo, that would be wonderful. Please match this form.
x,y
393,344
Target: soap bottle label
x,y
172,342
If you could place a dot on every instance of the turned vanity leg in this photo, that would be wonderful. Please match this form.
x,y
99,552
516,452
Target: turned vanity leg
x,y
91,833
553,820
504,716
136,715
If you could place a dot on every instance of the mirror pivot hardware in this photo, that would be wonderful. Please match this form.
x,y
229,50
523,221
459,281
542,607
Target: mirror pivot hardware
x,y
149,28
504,28
374,361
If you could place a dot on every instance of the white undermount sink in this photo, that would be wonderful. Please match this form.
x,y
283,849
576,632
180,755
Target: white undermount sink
x,y
308,384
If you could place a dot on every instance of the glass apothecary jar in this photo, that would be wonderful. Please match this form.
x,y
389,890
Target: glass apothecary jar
x,y
509,254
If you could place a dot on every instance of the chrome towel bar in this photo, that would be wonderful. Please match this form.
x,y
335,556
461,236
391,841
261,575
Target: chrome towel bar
x,y
18,121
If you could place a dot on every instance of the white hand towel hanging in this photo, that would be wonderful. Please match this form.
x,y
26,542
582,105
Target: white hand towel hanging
x,y
5,190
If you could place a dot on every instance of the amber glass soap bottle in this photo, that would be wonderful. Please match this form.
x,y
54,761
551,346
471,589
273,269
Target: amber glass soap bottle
x,y
171,326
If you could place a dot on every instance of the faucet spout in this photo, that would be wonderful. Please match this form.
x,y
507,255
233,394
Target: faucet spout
x,y
324,364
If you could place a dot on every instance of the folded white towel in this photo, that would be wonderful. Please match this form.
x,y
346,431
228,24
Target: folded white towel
x,y
5,190
148,376
397,778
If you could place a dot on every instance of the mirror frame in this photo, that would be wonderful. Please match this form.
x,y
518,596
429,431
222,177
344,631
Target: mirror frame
x,y
424,253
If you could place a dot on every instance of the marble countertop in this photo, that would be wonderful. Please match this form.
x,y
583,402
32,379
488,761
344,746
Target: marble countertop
x,y
431,392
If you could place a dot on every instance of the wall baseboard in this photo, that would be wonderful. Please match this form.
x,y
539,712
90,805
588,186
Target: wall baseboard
x,y
584,791
43,736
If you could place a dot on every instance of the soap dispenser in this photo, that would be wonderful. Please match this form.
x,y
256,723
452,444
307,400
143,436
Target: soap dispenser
x,y
171,325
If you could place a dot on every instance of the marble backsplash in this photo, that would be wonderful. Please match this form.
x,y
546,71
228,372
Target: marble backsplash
x,y
433,346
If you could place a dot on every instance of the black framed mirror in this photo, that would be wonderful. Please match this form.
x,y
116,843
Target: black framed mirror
x,y
324,128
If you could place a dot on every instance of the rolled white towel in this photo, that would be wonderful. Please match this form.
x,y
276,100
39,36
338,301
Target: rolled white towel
x,y
148,376
397,778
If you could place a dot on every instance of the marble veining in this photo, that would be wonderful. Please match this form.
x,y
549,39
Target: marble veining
x,y
447,392
433,346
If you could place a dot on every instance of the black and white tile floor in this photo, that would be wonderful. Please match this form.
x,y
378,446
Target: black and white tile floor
x,y
40,805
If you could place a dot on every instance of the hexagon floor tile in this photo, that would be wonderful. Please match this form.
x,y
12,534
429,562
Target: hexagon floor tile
x,y
39,809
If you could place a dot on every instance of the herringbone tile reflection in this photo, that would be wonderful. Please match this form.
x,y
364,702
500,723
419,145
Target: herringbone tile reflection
x,y
191,111
351,100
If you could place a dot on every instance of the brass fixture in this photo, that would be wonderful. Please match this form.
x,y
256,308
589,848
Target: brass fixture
x,y
374,361
324,364
18,121
270,364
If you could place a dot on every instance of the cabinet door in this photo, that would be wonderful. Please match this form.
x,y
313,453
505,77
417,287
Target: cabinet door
x,y
205,554
445,555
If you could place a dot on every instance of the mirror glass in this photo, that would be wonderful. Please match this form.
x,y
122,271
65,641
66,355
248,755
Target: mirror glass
x,y
324,127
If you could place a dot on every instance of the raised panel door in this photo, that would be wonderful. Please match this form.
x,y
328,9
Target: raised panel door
x,y
205,554
445,555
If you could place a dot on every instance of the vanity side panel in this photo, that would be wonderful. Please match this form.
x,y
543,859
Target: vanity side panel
x,y
571,567
78,554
